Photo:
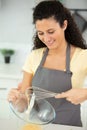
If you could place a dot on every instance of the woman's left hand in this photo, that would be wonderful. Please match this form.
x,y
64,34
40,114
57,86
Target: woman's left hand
x,y
74,95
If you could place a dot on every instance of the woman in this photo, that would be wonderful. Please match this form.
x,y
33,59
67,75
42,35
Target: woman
x,y
57,62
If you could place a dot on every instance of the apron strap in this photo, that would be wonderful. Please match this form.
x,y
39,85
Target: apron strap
x,y
44,57
67,59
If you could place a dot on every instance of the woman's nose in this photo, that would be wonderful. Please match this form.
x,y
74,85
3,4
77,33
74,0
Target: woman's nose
x,y
47,38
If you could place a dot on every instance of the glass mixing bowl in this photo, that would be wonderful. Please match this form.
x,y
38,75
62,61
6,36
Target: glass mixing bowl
x,y
33,109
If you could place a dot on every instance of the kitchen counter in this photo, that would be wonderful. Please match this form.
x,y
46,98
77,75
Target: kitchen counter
x,y
11,124
62,127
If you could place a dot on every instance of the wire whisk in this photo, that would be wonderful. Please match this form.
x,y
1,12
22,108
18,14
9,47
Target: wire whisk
x,y
40,93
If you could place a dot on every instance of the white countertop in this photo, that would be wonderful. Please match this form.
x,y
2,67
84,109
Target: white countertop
x,y
12,123
62,127
13,71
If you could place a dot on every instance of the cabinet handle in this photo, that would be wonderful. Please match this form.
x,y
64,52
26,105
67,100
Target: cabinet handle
x,y
3,88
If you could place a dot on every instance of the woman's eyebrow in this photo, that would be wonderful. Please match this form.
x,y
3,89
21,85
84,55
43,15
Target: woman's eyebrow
x,y
46,30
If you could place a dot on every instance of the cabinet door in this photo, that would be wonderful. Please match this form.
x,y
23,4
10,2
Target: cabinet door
x,y
4,105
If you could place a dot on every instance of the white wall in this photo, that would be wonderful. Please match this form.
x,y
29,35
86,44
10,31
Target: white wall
x,y
77,4
16,28
16,21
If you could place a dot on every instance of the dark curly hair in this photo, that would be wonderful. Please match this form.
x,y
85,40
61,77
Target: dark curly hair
x,y
47,9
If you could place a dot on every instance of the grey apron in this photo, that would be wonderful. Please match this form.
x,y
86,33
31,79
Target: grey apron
x,y
58,81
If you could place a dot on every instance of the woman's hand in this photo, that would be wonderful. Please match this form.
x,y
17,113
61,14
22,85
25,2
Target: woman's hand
x,y
19,100
74,95
14,93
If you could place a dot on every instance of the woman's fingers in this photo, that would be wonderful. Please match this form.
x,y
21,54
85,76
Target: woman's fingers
x,y
61,95
74,95
13,94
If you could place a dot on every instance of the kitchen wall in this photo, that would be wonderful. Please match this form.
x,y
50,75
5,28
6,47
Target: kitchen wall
x,y
75,3
16,28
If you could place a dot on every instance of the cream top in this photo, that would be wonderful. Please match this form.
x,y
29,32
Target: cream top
x,y
78,65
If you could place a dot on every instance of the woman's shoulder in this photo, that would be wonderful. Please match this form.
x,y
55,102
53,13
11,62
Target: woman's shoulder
x,y
79,55
82,52
37,53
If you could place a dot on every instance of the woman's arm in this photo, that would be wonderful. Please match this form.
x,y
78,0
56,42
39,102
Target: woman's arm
x,y
26,82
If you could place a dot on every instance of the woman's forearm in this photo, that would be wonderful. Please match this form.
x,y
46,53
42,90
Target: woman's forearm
x,y
26,82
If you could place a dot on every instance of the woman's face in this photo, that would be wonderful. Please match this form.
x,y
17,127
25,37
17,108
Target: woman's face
x,y
50,32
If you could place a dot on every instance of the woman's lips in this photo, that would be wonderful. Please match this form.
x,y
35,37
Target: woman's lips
x,y
49,43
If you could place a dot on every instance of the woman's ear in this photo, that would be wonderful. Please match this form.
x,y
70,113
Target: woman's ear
x,y
65,24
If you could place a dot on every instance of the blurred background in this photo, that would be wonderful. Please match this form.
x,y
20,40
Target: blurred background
x,y
16,28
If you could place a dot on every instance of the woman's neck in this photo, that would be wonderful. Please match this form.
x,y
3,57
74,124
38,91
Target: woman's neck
x,y
61,50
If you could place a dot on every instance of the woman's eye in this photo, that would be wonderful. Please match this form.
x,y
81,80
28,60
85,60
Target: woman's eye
x,y
51,32
40,33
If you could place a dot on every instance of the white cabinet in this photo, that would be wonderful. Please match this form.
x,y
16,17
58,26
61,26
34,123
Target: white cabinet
x,y
7,118
5,86
10,76
6,83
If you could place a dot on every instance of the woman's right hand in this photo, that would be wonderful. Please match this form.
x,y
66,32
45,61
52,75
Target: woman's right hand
x,y
13,94
19,100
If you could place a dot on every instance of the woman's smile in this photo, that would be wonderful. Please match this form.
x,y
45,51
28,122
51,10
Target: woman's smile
x,y
50,43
